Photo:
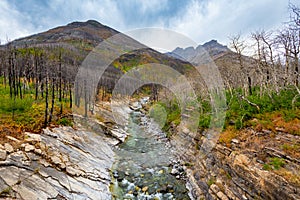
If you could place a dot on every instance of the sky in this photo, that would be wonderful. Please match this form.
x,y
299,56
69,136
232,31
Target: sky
x,y
199,20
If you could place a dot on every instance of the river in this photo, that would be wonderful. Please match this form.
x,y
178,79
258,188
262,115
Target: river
x,y
145,167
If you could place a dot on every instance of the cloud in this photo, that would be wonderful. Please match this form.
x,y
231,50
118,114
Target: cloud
x,y
218,19
13,23
201,20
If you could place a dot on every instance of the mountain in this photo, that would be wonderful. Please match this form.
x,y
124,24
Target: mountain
x,y
213,48
227,61
77,39
86,36
91,32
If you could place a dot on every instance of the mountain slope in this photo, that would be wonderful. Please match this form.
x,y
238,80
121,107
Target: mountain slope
x,y
76,40
234,68
91,32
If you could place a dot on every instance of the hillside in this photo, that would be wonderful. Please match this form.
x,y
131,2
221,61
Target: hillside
x,y
90,32
52,58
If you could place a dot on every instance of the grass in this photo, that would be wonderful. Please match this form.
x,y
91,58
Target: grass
x,y
274,163
291,149
293,177
27,114
270,106
286,120
211,181
158,113
227,135
275,110
168,112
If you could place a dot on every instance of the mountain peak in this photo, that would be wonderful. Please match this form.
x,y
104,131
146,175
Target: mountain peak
x,y
212,47
212,41
91,32
89,22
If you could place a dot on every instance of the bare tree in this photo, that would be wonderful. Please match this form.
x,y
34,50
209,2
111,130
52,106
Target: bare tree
x,y
239,46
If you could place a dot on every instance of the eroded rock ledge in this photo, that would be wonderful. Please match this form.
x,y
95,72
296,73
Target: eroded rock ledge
x,y
61,163
238,171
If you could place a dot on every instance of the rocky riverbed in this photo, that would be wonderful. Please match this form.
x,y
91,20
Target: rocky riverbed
x,y
145,167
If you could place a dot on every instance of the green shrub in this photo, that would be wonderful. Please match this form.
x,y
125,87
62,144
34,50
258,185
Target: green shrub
x,y
158,113
211,181
204,121
65,122
9,105
274,163
240,111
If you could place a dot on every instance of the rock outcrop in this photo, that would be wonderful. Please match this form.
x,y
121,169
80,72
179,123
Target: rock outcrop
x,y
61,163
243,169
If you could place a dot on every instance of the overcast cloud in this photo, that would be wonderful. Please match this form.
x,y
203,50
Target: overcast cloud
x,y
200,20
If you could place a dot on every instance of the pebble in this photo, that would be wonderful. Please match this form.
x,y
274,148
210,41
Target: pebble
x,y
174,171
144,189
12,138
235,141
115,174
38,151
137,188
72,171
169,187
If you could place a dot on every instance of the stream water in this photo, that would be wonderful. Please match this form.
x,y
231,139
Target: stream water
x,y
144,167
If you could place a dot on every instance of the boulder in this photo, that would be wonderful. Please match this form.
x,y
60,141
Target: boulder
x,y
8,148
30,137
28,147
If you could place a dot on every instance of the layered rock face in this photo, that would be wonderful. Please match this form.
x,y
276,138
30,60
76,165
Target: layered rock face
x,y
61,163
240,170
